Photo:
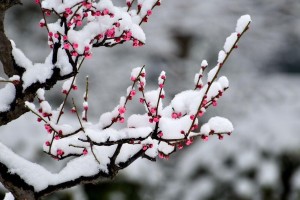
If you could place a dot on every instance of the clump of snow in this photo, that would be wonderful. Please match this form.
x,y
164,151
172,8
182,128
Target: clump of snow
x,y
242,23
9,196
20,58
37,73
7,95
222,56
212,73
230,41
218,125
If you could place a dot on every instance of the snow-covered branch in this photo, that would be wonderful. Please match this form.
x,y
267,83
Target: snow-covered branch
x,y
102,149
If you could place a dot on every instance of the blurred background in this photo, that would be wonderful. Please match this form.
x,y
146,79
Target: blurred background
x,y
261,160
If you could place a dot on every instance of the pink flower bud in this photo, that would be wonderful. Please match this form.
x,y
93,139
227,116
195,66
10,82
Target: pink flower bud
x,y
79,23
200,113
42,24
68,11
153,110
188,142
75,45
132,93
74,53
88,55
142,100
122,110
160,134
180,146
145,148
60,152
161,155
192,117
214,103
156,119
221,137
122,120
105,11
174,115
139,6
145,19
86,48
47,143
67,46
149,12
204,137
85,151
74,87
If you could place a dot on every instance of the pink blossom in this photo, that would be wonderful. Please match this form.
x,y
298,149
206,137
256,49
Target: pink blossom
x,y
66,46
188,142
142,100
132,93
68,11
85,151
117,24
79,23
214,103
180,146
220,137
160,134
122,120
65,37
105,11
75,45
74,53
132,78
145,148
200,113
204,137
42,24
174,115
60,152
110,33
149,12
74,87
87,5
122,110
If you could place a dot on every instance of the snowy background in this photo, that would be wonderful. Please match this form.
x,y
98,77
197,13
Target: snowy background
x,y
261,160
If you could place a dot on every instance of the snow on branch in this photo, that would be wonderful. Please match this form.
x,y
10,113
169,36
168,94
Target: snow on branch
x,y
100,147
